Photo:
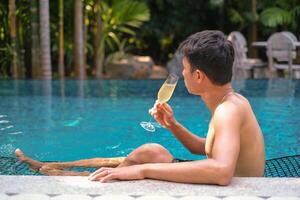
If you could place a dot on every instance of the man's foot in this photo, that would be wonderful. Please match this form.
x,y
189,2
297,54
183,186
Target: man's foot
x,y
33,164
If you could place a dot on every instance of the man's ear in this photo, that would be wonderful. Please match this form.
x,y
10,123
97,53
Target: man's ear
x,y
199,75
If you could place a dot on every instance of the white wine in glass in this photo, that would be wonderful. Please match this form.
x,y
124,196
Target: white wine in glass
x,y
164,94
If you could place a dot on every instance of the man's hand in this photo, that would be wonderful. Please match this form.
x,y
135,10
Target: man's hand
x,y
105,174
163,114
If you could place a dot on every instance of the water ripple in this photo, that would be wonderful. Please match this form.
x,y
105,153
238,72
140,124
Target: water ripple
x,y
8,127
15,133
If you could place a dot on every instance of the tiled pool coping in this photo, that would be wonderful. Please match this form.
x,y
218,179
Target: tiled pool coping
x,y
45,187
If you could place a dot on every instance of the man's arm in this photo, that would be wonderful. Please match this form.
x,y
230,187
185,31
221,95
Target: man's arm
x,y
216,170
192,142
164,116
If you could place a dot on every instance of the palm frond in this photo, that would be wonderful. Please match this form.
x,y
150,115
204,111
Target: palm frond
x,y
295,11
124,29
132,13
114,37
251,16
235,17
216,3
275,16
122,17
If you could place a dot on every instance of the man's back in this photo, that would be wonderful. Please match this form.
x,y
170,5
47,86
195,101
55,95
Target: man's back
x,y
251,159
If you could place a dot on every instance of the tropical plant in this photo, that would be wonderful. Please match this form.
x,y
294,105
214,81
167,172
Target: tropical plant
x,y
282,13
5,60
119,19
171,22
112,29
5,49
119,54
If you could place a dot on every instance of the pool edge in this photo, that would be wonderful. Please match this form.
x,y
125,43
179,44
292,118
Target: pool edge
x,y
262,188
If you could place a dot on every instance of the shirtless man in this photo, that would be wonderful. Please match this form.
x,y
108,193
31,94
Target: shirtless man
x,y
234,145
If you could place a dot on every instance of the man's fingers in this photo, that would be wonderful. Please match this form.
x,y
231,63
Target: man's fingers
x,y
159,119
167,108
161,110
99,174
95,172
98,171
108,178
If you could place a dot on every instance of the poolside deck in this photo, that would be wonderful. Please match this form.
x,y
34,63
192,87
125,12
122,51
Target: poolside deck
x,y
62,188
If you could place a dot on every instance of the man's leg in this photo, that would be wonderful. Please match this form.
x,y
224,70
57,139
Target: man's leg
x,y
148,153
58,172
93,162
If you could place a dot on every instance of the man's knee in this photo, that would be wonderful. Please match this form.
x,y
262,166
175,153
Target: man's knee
x,y
149,153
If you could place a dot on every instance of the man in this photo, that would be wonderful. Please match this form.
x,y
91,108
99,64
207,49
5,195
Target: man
x,y
234,145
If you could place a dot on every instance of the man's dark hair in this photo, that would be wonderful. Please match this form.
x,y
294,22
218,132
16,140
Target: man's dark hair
x,y
210,52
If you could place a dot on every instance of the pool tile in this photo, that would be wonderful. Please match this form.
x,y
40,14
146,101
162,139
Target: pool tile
x,y
243,198
71,197
29,197
156,197
199,198
114,197
284,198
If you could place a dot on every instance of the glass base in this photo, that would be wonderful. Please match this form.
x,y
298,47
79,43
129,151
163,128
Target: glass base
x,y
148,126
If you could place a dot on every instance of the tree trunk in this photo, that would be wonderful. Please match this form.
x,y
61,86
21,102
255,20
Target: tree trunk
x,y
46,72
252,32
98,53
85,32
61,66
78,46
35,56
12,26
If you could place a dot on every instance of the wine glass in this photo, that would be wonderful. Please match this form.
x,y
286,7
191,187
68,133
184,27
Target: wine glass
x,y
164,94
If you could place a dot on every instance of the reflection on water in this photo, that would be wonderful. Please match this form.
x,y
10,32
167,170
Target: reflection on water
x,y
136,88
73,122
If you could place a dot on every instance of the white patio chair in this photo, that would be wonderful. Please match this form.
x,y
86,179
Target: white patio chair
x,y
241,61
281,52
291,35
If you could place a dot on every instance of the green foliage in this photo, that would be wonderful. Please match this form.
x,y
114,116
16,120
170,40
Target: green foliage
x,y
23,20
171,21
280,15
4,29
122,17
236,18
295,11
272,17
217,3
127,26
5,48
6,56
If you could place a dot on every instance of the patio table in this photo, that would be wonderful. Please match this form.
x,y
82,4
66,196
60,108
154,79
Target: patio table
x,y
264,44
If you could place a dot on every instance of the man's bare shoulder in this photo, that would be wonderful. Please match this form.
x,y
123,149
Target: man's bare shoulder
x,y
232,109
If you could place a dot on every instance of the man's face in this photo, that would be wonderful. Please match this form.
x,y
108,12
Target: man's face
x,y
189,80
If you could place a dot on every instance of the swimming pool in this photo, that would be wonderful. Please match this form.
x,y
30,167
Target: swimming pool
x,y
82,119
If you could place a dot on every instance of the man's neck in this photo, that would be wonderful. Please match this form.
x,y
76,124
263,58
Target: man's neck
x,y
215,95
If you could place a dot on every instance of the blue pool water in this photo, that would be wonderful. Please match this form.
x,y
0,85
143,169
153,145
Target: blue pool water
x,y
84,119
